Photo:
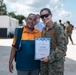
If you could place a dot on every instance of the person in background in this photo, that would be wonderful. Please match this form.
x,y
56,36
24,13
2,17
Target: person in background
x,y
39,24
60,22
54,63
25,62
69,30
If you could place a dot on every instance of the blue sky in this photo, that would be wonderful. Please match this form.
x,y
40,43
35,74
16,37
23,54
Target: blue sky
x,y
61,9
70,5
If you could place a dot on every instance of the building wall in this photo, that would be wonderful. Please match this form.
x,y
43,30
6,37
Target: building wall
x,y
9,23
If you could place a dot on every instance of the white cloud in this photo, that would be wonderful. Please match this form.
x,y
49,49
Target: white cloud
x,y
19,7
64,14
25,7
32,5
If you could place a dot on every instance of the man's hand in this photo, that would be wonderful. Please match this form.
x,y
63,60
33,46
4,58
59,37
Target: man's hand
x,y
11,67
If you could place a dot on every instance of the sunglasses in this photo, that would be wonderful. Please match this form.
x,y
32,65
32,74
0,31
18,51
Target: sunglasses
x,y
45,15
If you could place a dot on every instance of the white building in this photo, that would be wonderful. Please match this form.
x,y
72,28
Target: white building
x,y
9,23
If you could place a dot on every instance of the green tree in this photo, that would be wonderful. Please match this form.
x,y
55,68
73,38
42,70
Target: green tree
x,y
12,14
20,18
3,10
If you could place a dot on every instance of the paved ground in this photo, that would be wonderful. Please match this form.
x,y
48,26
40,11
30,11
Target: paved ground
x,y
4,59
5,48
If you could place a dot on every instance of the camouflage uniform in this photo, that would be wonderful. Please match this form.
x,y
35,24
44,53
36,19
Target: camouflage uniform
x,y
62,26
55,65
69,30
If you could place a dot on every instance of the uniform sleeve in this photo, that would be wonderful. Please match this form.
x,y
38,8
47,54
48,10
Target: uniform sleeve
x,y
60,50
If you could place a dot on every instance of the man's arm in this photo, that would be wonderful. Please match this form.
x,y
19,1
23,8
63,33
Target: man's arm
x,y
12,55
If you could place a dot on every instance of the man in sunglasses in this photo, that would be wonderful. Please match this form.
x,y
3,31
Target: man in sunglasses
x,y
54,63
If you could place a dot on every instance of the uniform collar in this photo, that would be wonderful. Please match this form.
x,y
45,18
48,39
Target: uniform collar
x,y
50,27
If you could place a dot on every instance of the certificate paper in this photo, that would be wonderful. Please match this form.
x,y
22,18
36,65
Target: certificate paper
x,y
42,48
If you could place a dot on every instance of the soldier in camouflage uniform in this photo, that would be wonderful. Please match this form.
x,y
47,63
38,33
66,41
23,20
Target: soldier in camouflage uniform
x,y
54,63
60,22
69,30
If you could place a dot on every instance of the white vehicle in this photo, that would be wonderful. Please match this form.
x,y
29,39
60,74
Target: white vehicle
x,y
7,25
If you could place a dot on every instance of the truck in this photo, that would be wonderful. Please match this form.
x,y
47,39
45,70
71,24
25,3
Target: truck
x,y
7,25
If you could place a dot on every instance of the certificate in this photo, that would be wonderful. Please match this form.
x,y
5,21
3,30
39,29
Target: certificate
x,y
42,47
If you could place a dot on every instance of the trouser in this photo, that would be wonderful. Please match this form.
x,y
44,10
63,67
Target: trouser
x,y
32,72
70,37
54,68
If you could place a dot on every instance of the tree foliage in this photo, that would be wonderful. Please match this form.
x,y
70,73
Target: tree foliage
x,y
3,10
19,17
12,14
